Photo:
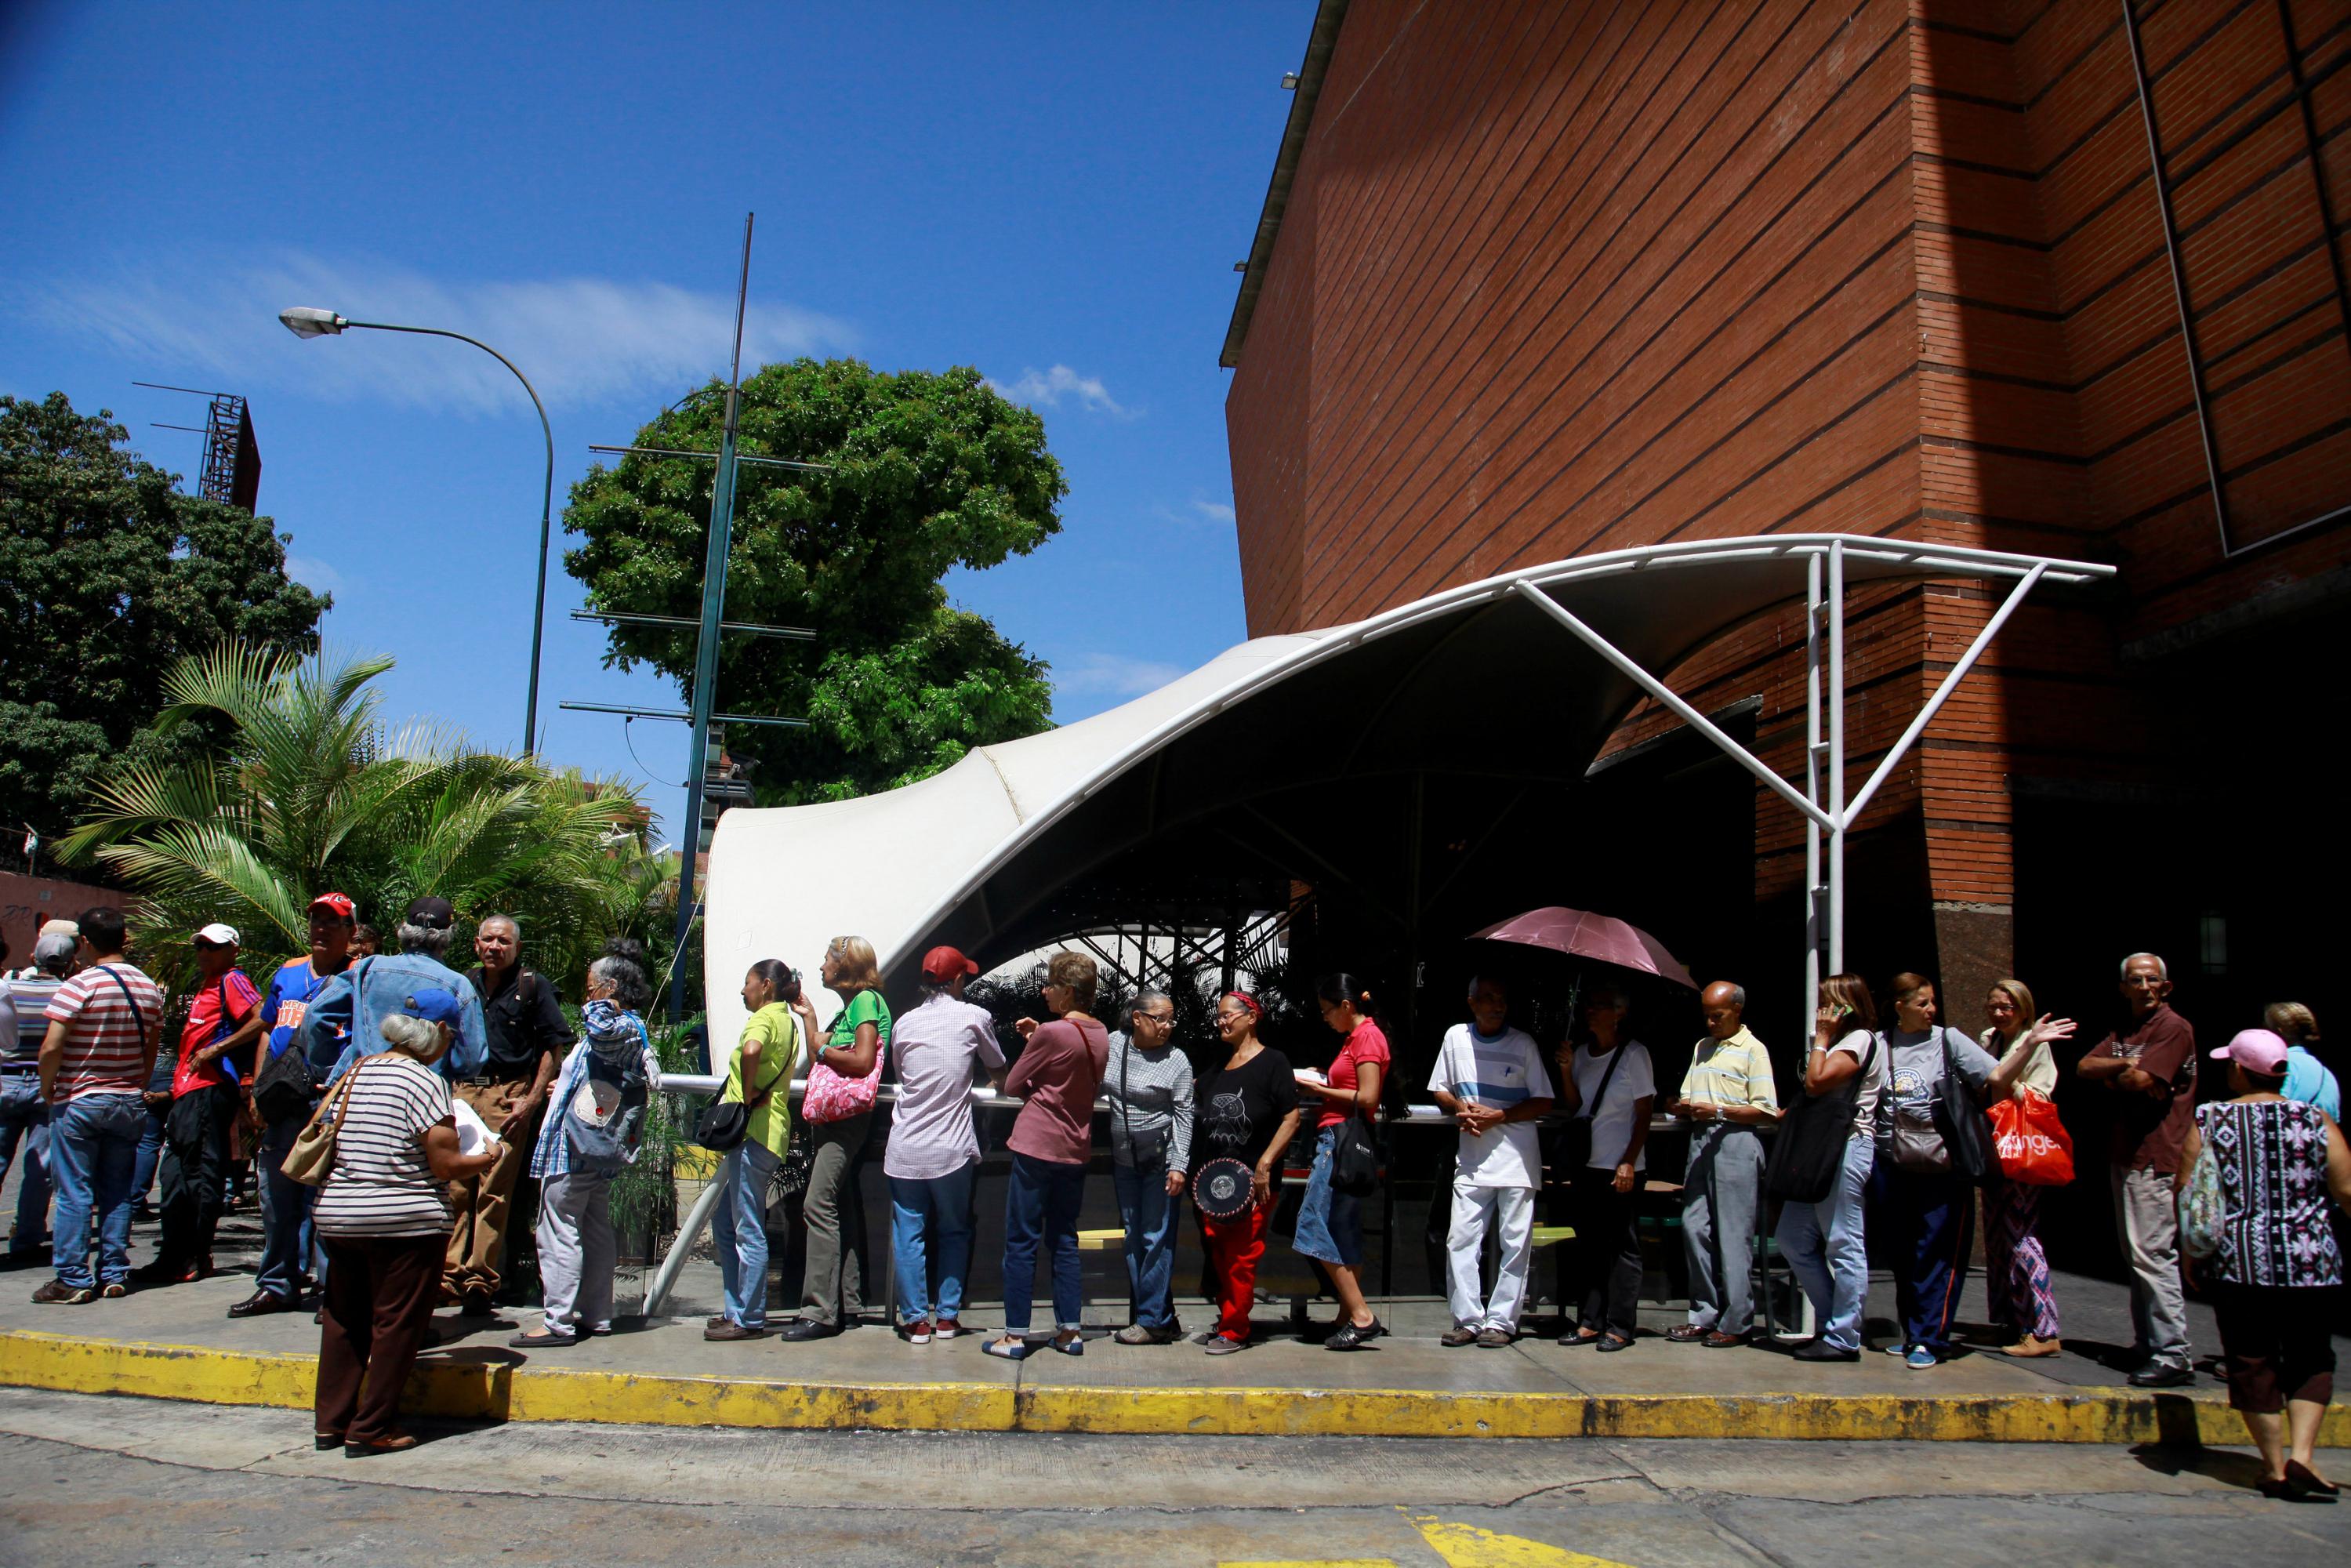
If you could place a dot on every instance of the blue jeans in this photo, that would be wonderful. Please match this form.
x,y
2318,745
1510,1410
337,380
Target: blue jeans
x,y
1827,1251
1330,1223
93,1149
150,1151
1041,1206
24,1124
738,1231
1149,1216
287,1239
940,1205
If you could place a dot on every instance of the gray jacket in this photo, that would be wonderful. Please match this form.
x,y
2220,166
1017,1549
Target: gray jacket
x,y
1150,1092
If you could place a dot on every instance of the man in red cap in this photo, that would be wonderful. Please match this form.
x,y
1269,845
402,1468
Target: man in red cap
x,y
942,1047
286,1244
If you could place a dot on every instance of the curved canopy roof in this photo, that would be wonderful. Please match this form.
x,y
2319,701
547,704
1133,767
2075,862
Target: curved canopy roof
x,y
966,856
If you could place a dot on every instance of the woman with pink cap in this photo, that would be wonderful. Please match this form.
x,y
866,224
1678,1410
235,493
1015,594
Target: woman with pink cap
x,y
2277,1160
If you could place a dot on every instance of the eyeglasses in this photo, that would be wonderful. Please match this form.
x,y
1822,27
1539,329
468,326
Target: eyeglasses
x,y
1164,1020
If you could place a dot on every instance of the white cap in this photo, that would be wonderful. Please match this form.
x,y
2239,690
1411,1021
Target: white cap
x,y
218,935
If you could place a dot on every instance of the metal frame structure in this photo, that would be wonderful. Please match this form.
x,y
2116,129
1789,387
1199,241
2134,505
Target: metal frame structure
x,y
1829,810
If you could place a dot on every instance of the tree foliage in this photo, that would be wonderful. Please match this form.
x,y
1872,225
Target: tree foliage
x,y
311,792
925,473
109,575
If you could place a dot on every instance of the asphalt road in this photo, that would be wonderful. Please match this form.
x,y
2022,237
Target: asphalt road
x,y
92,1481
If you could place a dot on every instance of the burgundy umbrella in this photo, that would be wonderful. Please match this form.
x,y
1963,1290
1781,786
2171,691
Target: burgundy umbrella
x,y
1589,936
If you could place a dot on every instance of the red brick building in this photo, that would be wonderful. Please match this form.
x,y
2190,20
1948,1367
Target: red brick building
x,y
1536,277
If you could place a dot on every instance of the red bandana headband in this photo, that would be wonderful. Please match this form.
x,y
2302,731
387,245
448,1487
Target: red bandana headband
x,y
1248,1001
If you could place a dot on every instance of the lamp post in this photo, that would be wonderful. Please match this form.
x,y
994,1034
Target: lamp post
x,y
307,321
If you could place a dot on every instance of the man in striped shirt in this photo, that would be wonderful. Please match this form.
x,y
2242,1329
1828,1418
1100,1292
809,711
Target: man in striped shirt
x,y
104,1024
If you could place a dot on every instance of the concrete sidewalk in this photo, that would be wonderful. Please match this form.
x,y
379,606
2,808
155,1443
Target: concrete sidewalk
x,y
178,1342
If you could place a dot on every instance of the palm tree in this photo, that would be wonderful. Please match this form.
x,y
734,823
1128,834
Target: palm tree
x,y
311,792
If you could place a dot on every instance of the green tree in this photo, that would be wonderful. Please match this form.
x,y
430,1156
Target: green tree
x,y
311,792
925,472
109,575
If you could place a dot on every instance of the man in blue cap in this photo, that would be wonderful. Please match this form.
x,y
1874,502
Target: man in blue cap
x,y
345,1022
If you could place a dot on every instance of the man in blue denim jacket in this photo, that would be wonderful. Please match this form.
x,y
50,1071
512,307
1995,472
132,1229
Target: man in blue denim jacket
x,y
372,989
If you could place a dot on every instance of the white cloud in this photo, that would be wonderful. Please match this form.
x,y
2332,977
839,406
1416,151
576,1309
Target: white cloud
x,y
581,340
1050,387
1213,512
1112,675
314,574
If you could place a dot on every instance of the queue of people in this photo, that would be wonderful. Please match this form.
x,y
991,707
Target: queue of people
x,y
481,1077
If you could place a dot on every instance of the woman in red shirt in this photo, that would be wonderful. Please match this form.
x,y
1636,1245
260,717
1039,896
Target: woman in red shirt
x,y
1330,1225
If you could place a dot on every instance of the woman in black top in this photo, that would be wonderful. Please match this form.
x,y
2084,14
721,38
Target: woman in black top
x,y
1247,1112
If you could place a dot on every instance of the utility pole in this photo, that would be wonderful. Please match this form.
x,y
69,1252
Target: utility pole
x,y
713,625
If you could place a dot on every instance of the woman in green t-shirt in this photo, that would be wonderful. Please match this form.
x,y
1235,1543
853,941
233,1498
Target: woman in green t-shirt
x,y
758,1075
839,1111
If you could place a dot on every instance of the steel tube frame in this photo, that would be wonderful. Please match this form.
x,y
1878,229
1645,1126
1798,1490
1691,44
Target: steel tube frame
x,y
1824,703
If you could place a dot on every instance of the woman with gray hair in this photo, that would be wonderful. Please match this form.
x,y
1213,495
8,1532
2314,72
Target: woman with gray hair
x,y
384,1224
594,1121
1149,1085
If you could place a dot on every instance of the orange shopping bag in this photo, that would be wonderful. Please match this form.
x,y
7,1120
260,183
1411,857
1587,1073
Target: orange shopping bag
x,y
2032,1141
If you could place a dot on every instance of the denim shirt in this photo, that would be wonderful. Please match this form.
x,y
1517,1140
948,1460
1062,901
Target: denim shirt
x,y
384,984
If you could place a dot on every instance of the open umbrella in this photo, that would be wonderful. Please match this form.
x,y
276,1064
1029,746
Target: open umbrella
x,y
1589,936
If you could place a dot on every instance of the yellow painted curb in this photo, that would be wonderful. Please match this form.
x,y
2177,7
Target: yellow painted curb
x,y
466,1389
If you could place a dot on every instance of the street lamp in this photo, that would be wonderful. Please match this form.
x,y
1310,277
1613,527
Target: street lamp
x,y
307,321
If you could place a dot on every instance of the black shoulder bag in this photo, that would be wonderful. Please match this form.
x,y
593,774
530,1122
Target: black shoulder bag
x,y
1809,1149
1574,1152
724,1125
1355,1153
1965,1126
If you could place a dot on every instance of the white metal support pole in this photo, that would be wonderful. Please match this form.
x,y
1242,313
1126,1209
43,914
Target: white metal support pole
x,y
1672,701
1949,683
1835,616
1814,607
666,1275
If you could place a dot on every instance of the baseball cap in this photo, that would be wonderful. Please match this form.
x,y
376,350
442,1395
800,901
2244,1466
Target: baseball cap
x,y
52,945
338,903
432,913
61,928
2255,1051
435,1007
217,935
942,965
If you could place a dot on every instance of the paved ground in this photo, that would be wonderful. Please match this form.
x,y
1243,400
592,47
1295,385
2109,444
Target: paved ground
x,y
102,1481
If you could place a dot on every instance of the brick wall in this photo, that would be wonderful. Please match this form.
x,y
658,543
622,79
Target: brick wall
x,y
1565,277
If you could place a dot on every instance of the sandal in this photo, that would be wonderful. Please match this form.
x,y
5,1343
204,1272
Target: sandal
x,y
547,1339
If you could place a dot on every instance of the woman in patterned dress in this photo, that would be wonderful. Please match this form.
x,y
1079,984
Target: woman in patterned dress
x,y
2279,1160
2016,1269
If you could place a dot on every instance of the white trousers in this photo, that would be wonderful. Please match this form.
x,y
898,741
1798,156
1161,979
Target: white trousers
x,y
575,1250
1511,1209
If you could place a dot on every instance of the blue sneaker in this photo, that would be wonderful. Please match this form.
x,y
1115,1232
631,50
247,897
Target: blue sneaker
x,y
1920,1358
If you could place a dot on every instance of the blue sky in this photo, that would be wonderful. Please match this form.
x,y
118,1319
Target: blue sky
x,y
1054,194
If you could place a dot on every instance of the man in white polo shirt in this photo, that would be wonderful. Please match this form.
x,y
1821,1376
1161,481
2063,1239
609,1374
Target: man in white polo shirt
x,y
1490,1077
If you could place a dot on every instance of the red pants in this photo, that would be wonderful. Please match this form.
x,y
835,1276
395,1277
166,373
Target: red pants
x,y
1234,1247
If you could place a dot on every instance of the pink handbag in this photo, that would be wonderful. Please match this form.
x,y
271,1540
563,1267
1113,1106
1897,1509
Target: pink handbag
x,y
829,1097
